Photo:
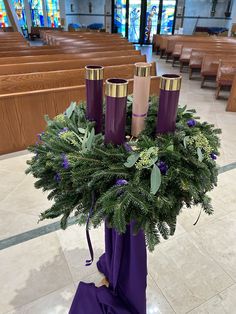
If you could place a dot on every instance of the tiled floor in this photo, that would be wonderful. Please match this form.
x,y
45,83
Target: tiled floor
x,y
194,272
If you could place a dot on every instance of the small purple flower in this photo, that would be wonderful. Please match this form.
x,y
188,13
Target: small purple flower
x,y
64,130
40,135
163,167
121,182
213,156
191,123
127,147
65,161
57,177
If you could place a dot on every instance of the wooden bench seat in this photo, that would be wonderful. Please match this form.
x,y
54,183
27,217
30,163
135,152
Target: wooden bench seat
x,y
210,66
196,59
185,55
17,83
182,51
225,75
172,40
72,56
69,50
34,67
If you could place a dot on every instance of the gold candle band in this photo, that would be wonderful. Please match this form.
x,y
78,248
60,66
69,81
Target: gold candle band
x,y
170,82
94,72
142,69
116,88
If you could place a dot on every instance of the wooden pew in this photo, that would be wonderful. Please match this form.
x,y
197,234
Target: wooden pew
x,y
34,67
185,54
210,66
231,105
18,83
197,55
172,40
21,114
35,52
72,56
225,75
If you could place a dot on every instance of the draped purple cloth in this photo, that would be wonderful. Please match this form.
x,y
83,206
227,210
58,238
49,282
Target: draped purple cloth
x,y
124,264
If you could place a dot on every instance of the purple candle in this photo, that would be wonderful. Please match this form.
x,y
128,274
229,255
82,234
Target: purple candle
x,y
94,95
116,99
168,104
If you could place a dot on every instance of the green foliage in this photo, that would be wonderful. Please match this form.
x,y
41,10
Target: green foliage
x,y
160,175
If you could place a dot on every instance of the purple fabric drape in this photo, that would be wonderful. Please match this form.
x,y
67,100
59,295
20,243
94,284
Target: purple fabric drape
x,y
124,264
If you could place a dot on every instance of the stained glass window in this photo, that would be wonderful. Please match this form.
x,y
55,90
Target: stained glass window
x,y
36,8
168,13
151,19
53,13
20,11
120,16
134,20
3,15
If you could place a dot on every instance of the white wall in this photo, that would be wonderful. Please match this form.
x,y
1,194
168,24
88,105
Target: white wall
x,y
233,16
81,14
203,8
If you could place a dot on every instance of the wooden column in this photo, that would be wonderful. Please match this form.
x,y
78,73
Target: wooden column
x,y
231,106
11,13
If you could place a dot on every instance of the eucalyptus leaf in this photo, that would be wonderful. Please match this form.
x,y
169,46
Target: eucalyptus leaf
x,y
182,109
170,148
200,154
186,138
90,139
70,110
81,130
153,161
155,179
131,160
78,137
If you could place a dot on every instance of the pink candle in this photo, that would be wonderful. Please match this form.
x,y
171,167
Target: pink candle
x,y
142,80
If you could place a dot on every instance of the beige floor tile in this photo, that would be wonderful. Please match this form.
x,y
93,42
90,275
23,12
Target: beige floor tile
x,y
57,302
9,181
15,223
156,302
218,240
186,275
75,249
15,162
31,270
26,199
223,303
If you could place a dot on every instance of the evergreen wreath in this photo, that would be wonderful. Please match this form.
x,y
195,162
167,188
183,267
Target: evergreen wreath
x,y
147,180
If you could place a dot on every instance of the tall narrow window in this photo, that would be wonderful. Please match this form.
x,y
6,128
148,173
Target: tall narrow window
x,y
36,8
53,13
168,14
120,16
3,15
134,20
151,19
20,12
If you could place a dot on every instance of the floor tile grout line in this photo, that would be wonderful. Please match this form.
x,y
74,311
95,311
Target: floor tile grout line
x,y
67,265
217,294
36,299
213,259
37,232
162,292
32,234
